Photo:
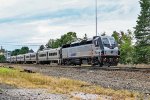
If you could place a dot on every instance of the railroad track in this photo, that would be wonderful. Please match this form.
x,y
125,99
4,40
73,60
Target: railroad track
x,y
128,69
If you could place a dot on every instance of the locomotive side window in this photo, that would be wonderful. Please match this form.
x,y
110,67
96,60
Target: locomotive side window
x,y
74,45
96,43
66,46
89,42
85,42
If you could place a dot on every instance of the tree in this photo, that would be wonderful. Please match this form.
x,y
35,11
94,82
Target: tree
x,y
124,41
2,58
15,52
41,48
50,43
65,39
142,33
68,38
24,50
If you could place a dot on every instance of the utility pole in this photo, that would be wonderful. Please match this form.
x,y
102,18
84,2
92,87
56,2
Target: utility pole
x,y
96,15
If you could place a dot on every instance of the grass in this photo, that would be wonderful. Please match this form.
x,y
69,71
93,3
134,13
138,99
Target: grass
x,y
58,85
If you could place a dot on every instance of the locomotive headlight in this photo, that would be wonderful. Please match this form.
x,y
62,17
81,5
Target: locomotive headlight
x,y
117,59
105,59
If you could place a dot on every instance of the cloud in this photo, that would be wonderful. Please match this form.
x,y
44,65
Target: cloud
x,y
36,21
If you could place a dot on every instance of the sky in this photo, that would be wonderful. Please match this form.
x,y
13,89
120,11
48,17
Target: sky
x,y
34,22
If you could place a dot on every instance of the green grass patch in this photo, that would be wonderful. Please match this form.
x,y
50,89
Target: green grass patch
x,y
57,85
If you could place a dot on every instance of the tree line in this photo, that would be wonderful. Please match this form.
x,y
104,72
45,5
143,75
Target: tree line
x,y
23,50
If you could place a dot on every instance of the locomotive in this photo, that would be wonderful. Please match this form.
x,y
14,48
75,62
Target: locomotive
x,y
99,50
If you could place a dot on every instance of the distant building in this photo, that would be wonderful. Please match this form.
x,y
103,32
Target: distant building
x,y
7,54
2,51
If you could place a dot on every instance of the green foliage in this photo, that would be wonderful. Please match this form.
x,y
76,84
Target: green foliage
x,y
41,48
68,38
65,39
23,50
50,43
125,44
5,70
15,52
2,58
142,34
142,54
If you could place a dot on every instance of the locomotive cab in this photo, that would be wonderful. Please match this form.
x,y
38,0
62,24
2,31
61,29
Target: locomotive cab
x,y
107,49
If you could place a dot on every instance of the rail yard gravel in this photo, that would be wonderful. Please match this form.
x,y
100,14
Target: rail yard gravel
x,y
133,81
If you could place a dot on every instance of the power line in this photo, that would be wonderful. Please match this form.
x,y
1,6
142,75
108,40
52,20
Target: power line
x,y
20,44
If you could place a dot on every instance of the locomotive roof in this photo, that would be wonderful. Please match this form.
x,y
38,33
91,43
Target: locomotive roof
x,y
50,50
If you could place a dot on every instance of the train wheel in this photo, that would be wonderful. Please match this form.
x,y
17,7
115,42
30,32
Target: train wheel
x,y
100,65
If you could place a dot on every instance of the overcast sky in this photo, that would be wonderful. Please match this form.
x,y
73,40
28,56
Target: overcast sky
x,y
36,21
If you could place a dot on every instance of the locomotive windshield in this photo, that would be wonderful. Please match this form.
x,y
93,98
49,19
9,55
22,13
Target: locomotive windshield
x,y
113,42
106,42
109,42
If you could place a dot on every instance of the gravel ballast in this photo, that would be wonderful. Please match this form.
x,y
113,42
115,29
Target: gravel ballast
x,y
133,81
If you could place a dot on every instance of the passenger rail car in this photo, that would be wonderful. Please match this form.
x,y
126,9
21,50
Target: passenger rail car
x,y
30,58
100,50
49,56
20,59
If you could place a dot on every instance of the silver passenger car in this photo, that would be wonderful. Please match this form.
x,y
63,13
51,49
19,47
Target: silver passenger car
x,y
49,56
30,58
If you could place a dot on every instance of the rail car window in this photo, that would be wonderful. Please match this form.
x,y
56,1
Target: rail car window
x,y
53,54
66,46
42,55
27,57
74,45
84,42
32,56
